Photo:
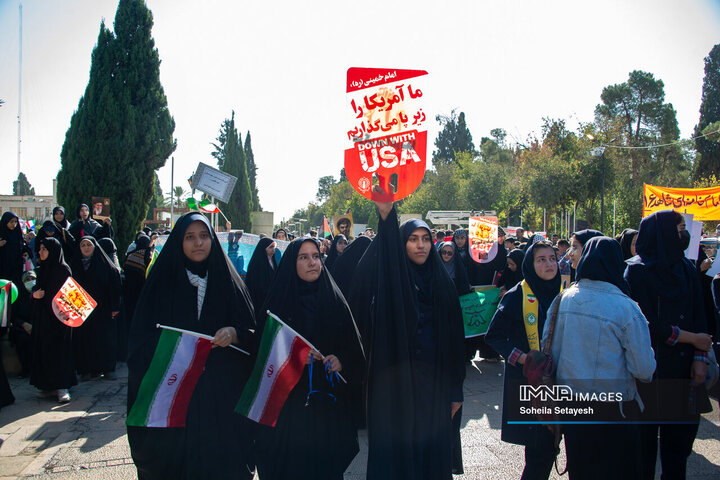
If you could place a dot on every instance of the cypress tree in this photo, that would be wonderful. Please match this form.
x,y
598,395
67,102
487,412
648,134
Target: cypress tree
x,y
122,130
252,172
22,186
240,206
709,150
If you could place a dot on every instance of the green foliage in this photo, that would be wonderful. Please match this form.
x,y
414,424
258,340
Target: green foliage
x,y
709,150
157,200
454,137
324,185
22,186
252,172
240,206
122,130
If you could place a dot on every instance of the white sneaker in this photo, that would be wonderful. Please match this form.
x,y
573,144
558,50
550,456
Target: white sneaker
x,y
63,395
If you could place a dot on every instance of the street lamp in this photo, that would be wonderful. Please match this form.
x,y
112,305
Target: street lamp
x,y
600,152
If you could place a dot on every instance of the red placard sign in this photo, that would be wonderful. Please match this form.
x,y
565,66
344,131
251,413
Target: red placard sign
x,y
73,301
387,139
482,238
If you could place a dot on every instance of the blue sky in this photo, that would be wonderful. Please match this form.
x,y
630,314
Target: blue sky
x,y
281,66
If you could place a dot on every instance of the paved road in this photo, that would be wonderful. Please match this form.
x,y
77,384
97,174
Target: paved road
x,y
86,438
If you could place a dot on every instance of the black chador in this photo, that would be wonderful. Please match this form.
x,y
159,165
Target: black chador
x,y
343,270
52,364
413,332
260,272
95,341
317,441
215,441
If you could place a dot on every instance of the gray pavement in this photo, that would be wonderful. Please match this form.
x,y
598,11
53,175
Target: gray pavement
x,y
86,438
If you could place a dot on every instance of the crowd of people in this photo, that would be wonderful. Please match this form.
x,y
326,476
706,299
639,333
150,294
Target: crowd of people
x,y
628,315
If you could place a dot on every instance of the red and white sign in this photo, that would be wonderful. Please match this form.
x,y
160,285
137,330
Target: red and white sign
x,y
73,301
386,142
482,238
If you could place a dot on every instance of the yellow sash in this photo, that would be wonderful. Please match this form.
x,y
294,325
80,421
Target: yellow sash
x,y
530,316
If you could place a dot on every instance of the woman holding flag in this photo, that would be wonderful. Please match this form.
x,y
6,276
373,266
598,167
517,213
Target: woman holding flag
x,y
315,435
195,434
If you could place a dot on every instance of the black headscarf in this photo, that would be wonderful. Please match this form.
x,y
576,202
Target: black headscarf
x,y
260,272
544,290
333,254
108,246
602,260
11,253
421,274
626,238
344,269
584,235
510,278
450,266
53,271
62,224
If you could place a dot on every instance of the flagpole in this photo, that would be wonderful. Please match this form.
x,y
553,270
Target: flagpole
x,y
195,334
303,339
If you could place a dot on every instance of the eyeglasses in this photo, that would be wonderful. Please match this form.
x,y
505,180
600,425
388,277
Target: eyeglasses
x,y
446,253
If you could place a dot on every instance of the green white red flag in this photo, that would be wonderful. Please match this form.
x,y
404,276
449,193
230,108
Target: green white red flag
x,y
203,206
167,387
5,301
325,231
279,365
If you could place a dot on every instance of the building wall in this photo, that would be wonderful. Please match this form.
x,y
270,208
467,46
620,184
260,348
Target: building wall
x,y
36,207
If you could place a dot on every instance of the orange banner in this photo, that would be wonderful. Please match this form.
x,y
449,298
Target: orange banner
x,y
703,203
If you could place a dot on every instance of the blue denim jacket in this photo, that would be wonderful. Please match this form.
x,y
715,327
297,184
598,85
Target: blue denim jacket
x,y
601,342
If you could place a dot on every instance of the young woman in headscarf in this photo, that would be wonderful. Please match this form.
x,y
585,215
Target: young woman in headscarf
x,y
577,242
53,370
85,225
514,332
343,272
454,267
412,326
62,226
11,248
628,238
512,273
316,432
261,270
95,341
665,285
193,286
337,248
600,346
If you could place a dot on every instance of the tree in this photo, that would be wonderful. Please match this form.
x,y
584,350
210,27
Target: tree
x,y
22,186
122,130
240,206
324,185
709,161
179,197
252,172
157,200
453,137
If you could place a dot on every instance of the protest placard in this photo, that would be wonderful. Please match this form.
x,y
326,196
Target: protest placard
x,y
478,308
100,208
482,238
386,141
74,302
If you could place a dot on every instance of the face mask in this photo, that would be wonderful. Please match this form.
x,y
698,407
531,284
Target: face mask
x,y
684,239
29,285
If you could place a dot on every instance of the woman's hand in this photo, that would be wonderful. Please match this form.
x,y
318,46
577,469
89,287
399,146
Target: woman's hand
x,y
313,355
332,363
705,265
698,372
224,337
38,294
2,242
383,207
27,327
702,341
454,407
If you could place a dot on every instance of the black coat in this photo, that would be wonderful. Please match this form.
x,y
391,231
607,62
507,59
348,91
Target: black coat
x,y
260,272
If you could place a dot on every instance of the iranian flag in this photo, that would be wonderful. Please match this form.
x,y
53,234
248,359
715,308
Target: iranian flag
x,y
279,365
203,206
167,387
5,301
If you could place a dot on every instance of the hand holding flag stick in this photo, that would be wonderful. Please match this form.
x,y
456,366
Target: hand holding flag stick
x,y
314,350
199,335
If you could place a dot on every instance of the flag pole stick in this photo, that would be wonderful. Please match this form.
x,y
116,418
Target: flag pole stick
x,y
302,338
199,335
